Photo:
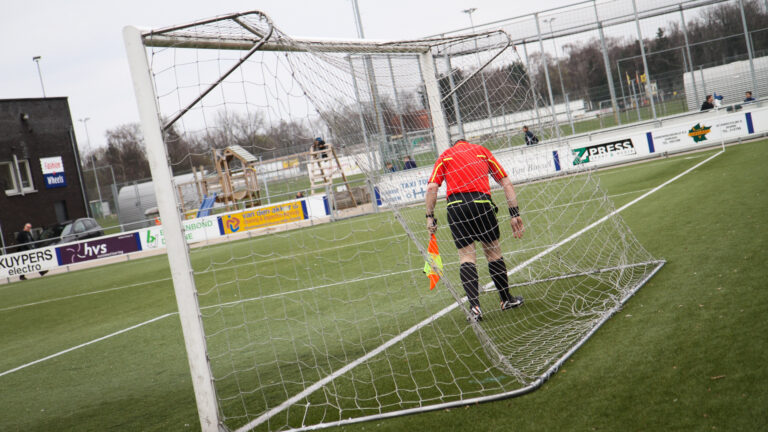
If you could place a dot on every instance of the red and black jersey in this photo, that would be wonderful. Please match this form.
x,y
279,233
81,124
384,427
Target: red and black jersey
x,y
465,168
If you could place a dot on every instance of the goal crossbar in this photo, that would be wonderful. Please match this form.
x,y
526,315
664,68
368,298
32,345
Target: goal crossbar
x,y
175,37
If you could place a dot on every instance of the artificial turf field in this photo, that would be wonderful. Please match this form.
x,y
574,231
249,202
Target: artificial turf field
x,y
686,353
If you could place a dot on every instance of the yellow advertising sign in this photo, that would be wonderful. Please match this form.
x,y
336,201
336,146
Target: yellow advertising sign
x,y
263,217
290,163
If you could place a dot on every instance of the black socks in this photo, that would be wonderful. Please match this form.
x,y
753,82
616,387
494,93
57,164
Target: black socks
x,y
468,273
498,271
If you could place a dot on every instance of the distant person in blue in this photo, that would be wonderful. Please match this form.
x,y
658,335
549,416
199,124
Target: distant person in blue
x,y
748,97
390,167
320,146
530,138
408,163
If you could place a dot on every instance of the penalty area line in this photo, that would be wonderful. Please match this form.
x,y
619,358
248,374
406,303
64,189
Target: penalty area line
x,y
319,384
10,371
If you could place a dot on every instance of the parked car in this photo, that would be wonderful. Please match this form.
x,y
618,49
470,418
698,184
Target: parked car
x,y
80,229
52,234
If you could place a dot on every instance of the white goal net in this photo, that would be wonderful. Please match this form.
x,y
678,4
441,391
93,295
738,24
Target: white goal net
x,y
325,315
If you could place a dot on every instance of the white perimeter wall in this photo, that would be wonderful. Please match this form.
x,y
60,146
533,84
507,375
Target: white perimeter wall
x,y
602,148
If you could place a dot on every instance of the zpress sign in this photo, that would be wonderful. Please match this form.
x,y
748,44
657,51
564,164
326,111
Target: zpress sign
x,y
602,152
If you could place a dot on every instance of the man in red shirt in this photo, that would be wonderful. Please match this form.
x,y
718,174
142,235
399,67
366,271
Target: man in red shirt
x,y
472,216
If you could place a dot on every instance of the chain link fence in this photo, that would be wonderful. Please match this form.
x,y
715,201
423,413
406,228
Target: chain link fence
x,y
605,63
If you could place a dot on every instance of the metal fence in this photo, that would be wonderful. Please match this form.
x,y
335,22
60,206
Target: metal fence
x,y
605,63
630,60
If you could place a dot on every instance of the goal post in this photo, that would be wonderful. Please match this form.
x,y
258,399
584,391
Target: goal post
x,y
175,242
305,314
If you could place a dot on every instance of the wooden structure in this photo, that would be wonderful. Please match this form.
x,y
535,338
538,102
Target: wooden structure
x,y
237,174
323,163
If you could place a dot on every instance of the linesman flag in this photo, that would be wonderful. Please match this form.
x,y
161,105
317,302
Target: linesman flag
x,y
434,253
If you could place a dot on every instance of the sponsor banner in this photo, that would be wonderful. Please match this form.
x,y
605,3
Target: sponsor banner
x,y
410,186
55,180
21,263
703,132
350,165
262,217
195,230
404,187
98,248
52,165
53,172
603,153
526,164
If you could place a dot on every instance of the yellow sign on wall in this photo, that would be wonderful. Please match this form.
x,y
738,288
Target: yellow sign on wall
x,y
263,217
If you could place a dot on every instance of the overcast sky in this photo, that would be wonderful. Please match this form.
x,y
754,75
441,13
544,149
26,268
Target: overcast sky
x,y
83,57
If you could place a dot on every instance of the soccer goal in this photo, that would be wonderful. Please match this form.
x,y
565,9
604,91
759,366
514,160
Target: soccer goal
x,y
330,320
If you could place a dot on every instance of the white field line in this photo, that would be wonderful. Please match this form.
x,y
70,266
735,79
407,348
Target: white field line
x,y
10,371
387,344
281,258
319,384
80,295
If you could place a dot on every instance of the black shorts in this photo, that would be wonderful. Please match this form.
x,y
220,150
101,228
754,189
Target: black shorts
x,y
472,217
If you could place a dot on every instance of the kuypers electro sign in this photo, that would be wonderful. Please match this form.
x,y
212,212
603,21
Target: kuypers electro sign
x,y
21,263
603,152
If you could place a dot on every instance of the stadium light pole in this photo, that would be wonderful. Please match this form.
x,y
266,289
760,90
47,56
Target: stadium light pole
x,y
607,64
560,74
469,12
93,162
371,76
648,91
750,54
36,59
546,77
684,27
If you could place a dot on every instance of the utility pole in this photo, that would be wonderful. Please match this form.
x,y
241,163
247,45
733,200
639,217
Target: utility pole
x,y
36,59
560,74
93,162
469,12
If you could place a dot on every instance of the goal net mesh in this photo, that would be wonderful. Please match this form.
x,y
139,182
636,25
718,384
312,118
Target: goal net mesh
x,y
331,318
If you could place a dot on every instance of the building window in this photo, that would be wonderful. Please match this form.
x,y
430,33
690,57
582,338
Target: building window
x,y
10,177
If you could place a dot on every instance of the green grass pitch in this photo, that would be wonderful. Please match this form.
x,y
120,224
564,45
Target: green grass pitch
x,y
686,353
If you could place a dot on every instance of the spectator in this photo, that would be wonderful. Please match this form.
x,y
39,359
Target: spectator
x,y
320,146
299,194
530,138
748,97
390,167
26,242
408,163
718,101
708,103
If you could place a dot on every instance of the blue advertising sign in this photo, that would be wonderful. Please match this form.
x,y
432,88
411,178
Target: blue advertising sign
x,y
55,180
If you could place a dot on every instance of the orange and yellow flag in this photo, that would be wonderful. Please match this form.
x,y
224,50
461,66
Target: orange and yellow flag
x,y
434,253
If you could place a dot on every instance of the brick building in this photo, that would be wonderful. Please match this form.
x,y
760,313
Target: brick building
x,y
40,177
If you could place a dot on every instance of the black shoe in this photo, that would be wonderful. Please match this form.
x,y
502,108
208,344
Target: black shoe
x,y
42,273
509,304
22,277
475,313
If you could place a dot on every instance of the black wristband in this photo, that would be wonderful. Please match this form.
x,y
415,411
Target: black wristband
x,y
431,215
514,212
